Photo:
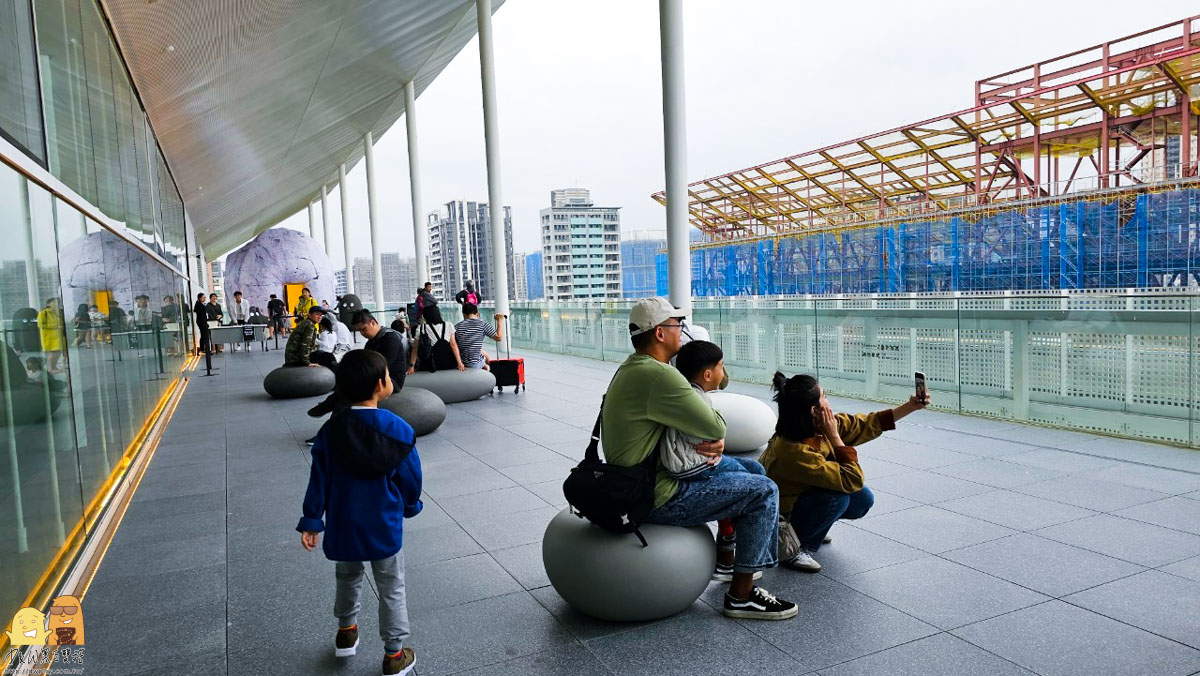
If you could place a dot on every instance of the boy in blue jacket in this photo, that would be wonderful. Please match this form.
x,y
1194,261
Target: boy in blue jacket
x,y
365,480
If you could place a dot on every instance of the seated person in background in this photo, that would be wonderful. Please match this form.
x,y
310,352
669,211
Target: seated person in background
x,y
379,339
813,460
386,342
303,341
326,335
469,335
703,364
434,349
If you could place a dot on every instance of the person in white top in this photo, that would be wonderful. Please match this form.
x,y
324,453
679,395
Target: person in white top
x,y
239,313
342,344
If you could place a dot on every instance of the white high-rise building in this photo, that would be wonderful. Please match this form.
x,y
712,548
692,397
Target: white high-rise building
x,y
520,284
460,249
581,243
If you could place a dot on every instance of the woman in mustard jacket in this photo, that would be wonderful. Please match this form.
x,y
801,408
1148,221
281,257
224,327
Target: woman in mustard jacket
x,y
813,460
50,326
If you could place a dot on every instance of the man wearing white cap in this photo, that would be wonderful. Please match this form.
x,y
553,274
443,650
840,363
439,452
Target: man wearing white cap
x,y
647,395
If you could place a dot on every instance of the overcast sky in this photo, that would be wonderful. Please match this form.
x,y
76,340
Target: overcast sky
x,y
580,93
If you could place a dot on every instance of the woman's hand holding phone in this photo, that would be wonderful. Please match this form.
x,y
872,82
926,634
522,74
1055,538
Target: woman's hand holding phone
x,y
917,402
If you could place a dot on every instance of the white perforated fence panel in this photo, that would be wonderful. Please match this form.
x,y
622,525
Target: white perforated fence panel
x,y
1112,362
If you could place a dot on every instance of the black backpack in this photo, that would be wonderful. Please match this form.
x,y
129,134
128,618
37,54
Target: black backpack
x,y
434,355
618,499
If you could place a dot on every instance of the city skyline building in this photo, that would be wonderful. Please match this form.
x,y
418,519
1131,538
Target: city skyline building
x,y
535,288
581,243
460,248
399,279
639,262
520,279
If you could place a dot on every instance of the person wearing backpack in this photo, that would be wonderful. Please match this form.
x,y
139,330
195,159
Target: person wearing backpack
x,y
469,295
645,398
435,348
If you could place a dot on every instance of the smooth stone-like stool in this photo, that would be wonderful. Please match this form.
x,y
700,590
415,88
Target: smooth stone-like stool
x,y
293,382
421,409
453,385
749,422
613,577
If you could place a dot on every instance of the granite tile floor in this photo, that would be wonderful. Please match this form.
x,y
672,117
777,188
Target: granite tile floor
x,y
994,548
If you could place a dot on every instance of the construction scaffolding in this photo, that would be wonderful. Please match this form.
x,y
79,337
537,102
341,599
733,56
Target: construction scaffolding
x,y
1076,172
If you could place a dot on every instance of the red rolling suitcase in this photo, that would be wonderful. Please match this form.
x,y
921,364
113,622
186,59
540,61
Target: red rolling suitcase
x,y
509,371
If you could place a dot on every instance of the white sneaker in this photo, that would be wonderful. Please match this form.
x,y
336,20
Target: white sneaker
x,y
804,562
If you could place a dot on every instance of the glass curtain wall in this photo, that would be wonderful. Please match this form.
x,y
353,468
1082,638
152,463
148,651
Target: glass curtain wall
x,y
92,334
92,339
99,140
20,104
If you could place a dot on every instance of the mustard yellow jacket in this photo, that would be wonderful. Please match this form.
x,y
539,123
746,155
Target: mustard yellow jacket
x,y
796,466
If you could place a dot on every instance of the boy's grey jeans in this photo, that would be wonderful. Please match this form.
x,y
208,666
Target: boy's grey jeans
x,y
393,608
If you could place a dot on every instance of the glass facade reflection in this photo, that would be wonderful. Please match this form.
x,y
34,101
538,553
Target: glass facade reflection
x,y
95,331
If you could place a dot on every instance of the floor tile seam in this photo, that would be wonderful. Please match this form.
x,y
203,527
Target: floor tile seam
x,y
937,632
463,526
1194,649
1142,569
1149,523
460,524
1016,489
507,659
1161,568
968,641
1111,556
1014,531
842,583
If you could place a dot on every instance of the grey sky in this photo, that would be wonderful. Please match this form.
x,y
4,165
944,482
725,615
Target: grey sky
x,y
579,93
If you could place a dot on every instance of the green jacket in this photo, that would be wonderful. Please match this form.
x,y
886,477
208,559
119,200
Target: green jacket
x,y
645,398
301,343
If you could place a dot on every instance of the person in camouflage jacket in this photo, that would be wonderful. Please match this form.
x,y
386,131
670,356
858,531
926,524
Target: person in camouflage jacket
x,y
303,340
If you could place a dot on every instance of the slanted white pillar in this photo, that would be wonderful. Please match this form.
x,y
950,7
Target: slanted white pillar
x,y
312,221
373,217
491,137
325,221
344,194
420,234
679,270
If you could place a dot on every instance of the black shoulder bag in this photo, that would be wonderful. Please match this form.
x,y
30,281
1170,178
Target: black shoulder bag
x,y
617,499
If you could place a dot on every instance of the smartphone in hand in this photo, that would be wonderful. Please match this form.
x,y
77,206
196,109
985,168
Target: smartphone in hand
x,y
922,392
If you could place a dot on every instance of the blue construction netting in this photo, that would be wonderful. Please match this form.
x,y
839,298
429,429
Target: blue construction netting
x,y
1137,240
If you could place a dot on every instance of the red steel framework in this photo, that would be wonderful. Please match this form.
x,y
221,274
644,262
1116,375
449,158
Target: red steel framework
x,y
1120,114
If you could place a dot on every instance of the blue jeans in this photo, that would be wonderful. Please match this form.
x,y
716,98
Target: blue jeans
x,y
817,509
743,494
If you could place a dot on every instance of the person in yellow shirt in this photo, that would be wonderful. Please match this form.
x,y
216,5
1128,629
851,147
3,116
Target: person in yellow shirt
x,y
50,325
812,459
306,303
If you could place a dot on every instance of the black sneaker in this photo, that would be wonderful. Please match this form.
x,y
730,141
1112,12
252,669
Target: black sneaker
x,y
310,441
726,544
760,606
724,573
345,643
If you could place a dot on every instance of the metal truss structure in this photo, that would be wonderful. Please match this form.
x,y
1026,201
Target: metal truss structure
x,y
1118,115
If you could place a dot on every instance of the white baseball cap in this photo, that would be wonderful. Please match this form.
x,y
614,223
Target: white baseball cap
x,y
648,313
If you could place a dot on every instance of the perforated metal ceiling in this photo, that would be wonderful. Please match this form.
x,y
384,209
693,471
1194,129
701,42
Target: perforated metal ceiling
x,y
255,102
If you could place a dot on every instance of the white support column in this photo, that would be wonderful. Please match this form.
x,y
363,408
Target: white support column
x,y
420,234
344,194
328,232
373,217
679,270
491,136
312,221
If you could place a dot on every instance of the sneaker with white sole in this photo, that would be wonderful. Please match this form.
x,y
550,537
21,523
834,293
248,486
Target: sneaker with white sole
x,y
804,562
399,664
827,540
762,605
345,644
724,573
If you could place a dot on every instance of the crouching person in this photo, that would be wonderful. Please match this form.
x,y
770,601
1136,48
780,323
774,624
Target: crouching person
x,y
812,457
365,480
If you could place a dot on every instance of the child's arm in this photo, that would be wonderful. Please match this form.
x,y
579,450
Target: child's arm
x,y
312,522
407,478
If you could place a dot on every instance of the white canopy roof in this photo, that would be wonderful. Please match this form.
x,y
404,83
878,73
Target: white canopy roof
x,y
256,102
